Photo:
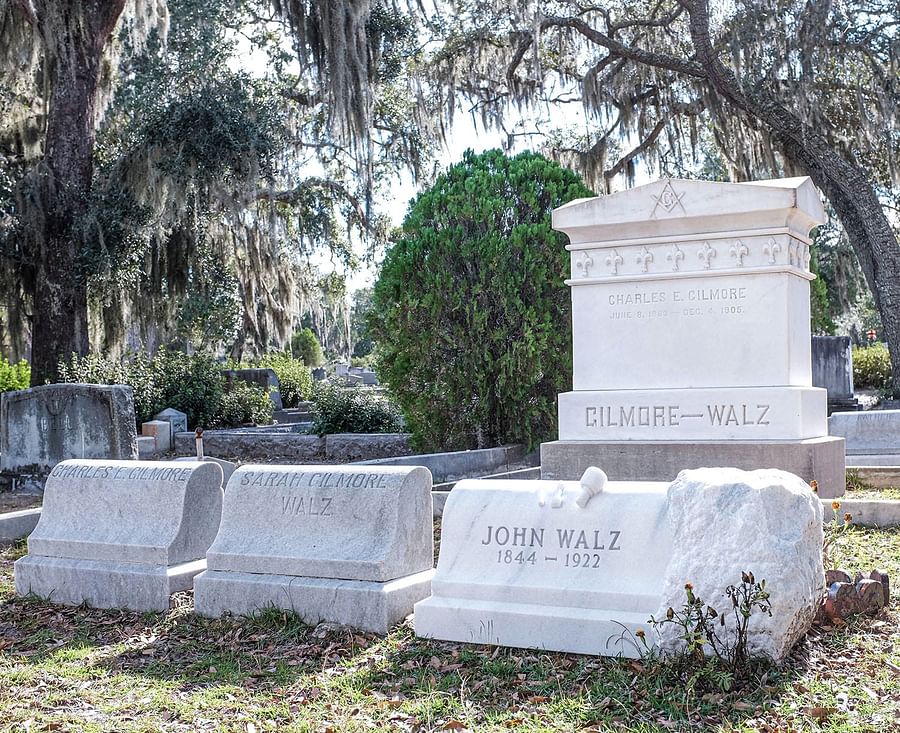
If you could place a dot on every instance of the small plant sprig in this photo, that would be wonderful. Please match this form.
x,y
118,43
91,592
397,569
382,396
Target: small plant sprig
x,y
702,627
834,536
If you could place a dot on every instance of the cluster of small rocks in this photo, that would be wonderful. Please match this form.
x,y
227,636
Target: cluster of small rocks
x,y
850,596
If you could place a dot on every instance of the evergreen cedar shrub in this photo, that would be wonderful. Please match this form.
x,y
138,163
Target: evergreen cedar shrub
x,y
470,311
295,378
338,409
305,346
871,367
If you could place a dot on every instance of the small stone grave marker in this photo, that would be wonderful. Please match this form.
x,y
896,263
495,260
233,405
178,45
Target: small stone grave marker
x,y
121,534
176,418
345,544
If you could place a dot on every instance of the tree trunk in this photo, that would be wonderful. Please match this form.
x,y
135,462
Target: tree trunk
x,y
844,183
74,33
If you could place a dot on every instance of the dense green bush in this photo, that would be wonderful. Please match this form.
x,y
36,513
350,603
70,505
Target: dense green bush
x,y
305,345
14,376
871,367
338,409
243,403
136,371
470,313
192,384
295,377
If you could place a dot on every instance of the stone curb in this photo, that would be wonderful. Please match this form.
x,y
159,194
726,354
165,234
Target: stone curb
x,y
16,525
866,512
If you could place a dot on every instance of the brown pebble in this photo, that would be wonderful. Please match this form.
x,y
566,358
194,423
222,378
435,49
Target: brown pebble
x,y
882,577
836,576
871,596
842,600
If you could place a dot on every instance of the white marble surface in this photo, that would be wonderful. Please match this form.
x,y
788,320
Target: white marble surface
x,y
121,534
522,564
370,606
151,512
349,522
766,522
872,432
348,544
747,413
673,208
735,330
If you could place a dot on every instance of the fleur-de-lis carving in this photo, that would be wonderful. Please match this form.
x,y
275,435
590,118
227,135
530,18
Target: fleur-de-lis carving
x,y
644,258
771,249
739,251
706,255
794,257
584,263
613,261
807,255
675,256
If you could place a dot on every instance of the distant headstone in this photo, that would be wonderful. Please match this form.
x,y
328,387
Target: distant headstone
x,y
832,369
121,534
264,378
369,377
346,544
161,432
580,566
176,418
873,432
342,370
318,374
44,425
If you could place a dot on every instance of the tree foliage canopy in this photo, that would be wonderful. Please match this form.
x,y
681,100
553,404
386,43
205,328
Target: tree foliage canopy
x,y
470,313
778,87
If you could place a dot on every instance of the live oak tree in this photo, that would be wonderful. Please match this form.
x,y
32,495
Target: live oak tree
x,y
149,192
785,87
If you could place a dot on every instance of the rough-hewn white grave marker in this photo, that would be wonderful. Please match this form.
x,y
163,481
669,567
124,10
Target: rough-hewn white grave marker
x,y
346,544
121,534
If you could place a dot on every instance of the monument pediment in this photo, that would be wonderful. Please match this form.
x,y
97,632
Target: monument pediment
x,y
673,206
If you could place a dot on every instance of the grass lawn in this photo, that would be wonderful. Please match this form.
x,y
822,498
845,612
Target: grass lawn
x,y
78,669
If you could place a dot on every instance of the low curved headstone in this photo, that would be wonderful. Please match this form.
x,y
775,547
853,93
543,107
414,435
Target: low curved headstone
x,y
347,544
121,534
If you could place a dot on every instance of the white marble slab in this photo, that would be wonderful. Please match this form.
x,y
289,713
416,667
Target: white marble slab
x,y
522,564
348,544
735,330
121,534
748,413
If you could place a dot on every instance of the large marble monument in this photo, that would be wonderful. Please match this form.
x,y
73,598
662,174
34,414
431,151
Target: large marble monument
x,y
691,335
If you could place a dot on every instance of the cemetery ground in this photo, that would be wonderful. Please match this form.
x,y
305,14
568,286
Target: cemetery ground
x,y
82,669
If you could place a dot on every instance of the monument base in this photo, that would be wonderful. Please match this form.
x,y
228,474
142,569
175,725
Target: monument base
x,y
532,626
365,605
130,586
821,459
